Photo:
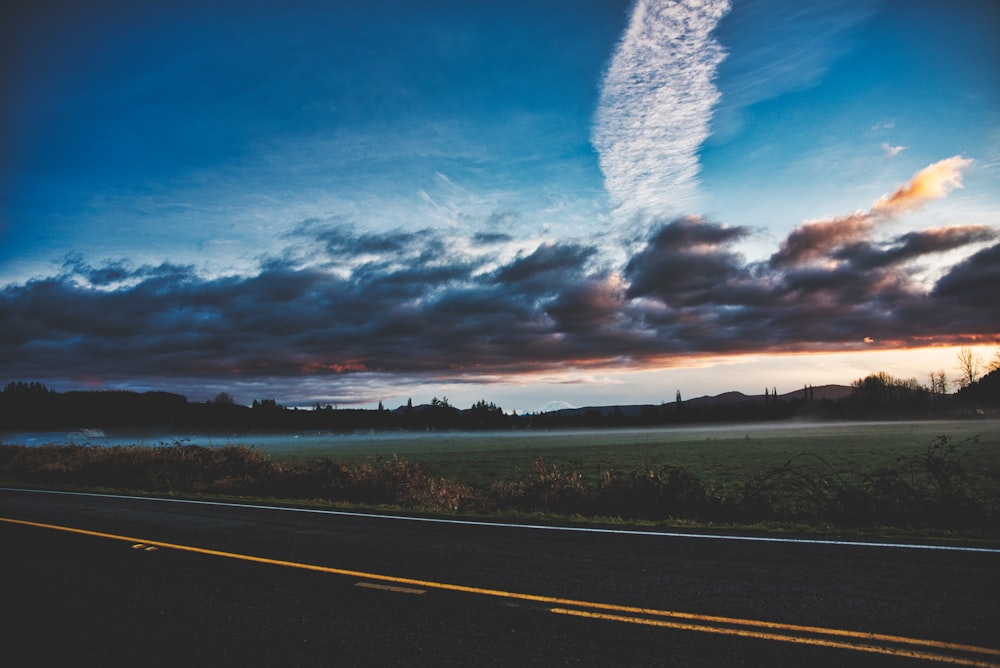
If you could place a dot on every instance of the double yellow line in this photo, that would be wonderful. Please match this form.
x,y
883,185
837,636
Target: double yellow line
x,y
914,648
876,643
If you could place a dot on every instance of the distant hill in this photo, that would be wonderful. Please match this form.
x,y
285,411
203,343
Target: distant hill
x,y
827,392
830,392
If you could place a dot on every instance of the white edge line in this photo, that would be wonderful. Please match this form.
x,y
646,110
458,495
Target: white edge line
x,y
541,527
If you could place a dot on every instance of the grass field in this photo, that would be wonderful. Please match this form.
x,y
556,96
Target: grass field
x,y
934,476
723,454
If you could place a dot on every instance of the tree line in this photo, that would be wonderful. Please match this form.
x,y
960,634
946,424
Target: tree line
x,y
33,406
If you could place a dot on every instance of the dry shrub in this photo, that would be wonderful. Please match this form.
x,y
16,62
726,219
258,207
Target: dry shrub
x,y
547,488
648,492
653,492
933,490
398,482
167,468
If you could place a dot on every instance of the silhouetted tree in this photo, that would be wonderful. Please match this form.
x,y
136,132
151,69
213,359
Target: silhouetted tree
x,y
882,392
994,364
484,415
970,366
983,394
939,387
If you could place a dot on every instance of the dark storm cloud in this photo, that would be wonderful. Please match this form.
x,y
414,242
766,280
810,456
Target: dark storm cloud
x,y
699,296
686,263
341,240
817,239
587,306
408,303
866,255
546,265
972,285
410,309
109,273
113,272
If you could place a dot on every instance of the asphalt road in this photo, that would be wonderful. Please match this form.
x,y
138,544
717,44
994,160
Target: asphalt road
x,y
246,586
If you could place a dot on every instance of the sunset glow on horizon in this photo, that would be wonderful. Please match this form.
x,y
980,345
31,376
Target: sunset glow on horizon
x,y
536,203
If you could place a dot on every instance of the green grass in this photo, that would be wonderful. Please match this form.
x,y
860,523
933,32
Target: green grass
x,y
721,455
940,476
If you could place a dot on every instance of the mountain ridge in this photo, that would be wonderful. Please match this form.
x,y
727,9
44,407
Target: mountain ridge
x,y
821,392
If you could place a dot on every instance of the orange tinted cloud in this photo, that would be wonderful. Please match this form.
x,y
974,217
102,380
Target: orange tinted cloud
x,y
932,182
815,239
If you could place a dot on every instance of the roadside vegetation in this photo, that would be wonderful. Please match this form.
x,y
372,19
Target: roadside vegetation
x,y
931,489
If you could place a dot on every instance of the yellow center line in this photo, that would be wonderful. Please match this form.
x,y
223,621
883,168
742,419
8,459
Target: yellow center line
x,y
609,607
802,640
398,590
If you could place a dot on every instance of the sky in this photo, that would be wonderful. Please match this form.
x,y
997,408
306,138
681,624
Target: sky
x,y
539,203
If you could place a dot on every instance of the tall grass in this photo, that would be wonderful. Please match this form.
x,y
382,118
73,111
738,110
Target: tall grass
x,y
932,490
175,468
233,470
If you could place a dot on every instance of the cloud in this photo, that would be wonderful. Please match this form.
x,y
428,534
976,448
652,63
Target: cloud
x,y
685,263
548,264
892,151
913,245
817,239
692,294
972,283
588,306
656,103
932,182
409,308
413,308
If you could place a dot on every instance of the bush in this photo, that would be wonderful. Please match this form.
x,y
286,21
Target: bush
x,y
175,468
398,482
547,488
933,490
654,492
930,491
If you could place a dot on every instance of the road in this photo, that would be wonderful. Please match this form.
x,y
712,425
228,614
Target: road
x,y
122,581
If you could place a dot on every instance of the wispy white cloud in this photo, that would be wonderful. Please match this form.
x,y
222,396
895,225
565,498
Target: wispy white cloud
x,y
656,104
892,151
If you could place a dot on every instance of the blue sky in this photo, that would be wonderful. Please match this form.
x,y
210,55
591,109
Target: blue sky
x,y
589,202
